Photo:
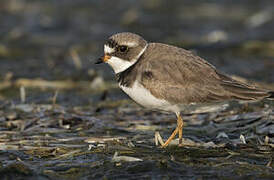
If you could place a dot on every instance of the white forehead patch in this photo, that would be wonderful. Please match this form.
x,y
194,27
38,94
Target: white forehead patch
x,y
108,50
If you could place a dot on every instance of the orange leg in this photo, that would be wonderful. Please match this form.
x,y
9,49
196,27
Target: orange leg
x,y
170,138
179,129
180,124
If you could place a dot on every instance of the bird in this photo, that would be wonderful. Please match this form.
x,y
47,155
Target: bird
x,y
167,78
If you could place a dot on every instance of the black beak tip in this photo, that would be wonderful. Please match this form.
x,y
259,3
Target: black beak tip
x,y
99,61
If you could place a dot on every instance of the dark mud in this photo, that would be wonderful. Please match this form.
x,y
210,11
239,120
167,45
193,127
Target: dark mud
x,y
50,141
62,117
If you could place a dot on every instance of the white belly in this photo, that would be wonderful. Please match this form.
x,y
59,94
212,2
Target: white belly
x,y
143,97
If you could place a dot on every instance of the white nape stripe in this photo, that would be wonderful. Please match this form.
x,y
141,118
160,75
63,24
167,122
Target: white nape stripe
x,y
140,54
108,50
143,97
119,65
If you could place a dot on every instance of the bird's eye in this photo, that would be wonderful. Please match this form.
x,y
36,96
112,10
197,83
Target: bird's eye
x,y
122,49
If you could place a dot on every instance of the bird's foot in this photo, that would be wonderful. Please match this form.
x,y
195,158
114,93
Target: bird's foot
x,y
158,139
179,129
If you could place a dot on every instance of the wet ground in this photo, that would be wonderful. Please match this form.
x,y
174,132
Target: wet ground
x,y
62,117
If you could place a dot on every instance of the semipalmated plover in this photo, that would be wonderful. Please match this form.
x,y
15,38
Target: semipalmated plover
x,y
166,78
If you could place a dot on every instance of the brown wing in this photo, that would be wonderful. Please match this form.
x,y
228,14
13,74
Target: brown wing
x,y
181,77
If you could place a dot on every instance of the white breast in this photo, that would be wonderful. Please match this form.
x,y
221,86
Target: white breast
x,y
142,96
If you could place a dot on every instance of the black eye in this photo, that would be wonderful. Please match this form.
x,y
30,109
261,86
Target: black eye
x,y
123,49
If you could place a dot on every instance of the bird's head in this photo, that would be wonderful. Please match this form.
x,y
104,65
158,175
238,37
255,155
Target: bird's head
x,y
122,50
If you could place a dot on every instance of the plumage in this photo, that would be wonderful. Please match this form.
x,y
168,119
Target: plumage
x,y
186,78
180,77
166,77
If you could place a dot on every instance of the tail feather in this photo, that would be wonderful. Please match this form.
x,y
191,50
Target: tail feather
x,y
242,91
245,92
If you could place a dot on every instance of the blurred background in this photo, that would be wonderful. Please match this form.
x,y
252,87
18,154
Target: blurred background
x,y
47,45
63,117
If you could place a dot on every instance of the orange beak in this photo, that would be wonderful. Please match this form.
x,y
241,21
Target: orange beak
x,y
102,59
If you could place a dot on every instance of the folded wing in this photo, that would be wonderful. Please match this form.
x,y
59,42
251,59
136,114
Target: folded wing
x,y
181,77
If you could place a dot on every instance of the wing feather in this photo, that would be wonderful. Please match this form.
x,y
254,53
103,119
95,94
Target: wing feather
x,y
179,76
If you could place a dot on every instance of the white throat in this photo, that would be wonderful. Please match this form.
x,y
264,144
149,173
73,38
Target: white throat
x,y
118,64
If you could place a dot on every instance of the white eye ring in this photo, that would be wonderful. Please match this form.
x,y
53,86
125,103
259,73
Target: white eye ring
x,y
122,49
